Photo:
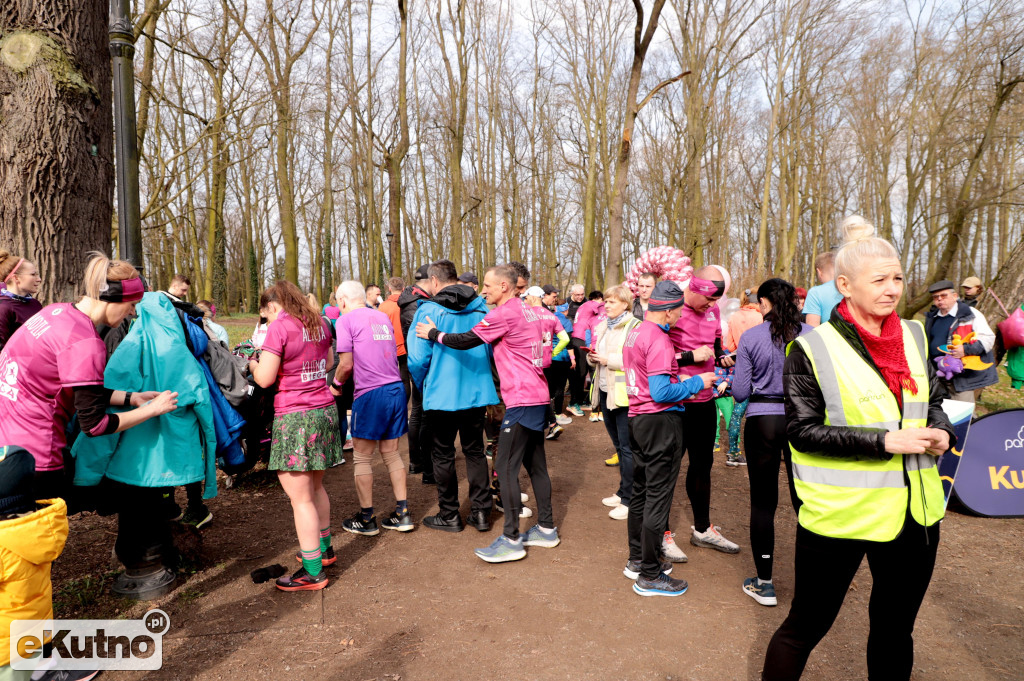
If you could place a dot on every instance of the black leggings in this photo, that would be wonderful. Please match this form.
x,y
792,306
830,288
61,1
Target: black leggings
x,y
699,427
766,447
520,447
556,375
900,571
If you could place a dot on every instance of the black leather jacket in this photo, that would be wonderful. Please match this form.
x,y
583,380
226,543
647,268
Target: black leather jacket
x,y
805,407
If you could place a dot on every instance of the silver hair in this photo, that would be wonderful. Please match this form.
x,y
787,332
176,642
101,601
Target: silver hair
x,y
577,288
352,291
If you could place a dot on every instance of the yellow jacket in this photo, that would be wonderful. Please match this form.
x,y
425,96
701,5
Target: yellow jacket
x,y
28,544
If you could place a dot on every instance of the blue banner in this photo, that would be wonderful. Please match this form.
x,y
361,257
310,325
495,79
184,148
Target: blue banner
x,y
959,414
990,478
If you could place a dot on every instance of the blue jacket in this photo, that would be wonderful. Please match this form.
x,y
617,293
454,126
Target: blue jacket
x,y
227,422
559,313
170,450
451,380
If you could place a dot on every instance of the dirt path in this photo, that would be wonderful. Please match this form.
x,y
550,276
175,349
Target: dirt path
x,y
421,606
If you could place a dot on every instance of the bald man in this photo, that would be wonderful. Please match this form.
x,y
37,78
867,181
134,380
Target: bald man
x,y
697,338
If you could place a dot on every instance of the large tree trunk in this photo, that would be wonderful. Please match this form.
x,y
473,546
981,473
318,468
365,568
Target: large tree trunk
x,y
56,189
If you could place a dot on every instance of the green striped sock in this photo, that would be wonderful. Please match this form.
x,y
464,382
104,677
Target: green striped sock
x,y
311,561
325,539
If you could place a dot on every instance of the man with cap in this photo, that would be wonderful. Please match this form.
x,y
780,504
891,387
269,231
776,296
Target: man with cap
x,y
419,438
469,279
516,333
972,289
656,390
697,337
953,317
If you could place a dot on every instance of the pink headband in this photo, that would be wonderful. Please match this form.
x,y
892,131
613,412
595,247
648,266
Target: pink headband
x,y
15,270
707,287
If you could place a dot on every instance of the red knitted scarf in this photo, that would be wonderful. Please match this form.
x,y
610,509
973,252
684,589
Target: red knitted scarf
x,y
887,352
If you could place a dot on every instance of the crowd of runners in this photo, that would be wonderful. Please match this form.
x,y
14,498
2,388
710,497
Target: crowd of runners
x,y
829,383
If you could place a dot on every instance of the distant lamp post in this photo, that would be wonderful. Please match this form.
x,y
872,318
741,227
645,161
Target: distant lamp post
x,y
391,253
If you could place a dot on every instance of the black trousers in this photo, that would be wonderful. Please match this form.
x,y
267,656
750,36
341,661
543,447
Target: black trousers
x,y
578,377
699,424
403,371
468,424
900,571
143,531
518,447
419,433
657,444
557,374
766,447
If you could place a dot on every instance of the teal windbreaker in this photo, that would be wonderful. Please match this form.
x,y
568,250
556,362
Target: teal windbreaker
x,y
170,450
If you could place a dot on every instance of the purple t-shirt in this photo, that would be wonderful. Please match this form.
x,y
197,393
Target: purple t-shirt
x,y
647,352
369,336
304,357
517,333
693,330
54,351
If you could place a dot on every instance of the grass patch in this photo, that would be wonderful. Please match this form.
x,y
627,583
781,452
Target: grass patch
x,y
1000,396
78,594
190,595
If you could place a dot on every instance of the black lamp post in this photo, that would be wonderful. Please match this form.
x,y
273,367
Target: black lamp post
x,y
126,148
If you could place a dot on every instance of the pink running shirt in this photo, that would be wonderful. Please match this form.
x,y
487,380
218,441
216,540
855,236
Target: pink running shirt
x,y
647,352
301,380
56,350
516,332
588,316
369,336
692,331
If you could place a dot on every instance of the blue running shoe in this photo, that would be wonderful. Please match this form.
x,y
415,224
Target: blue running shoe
x,y
538,536
662,585
762,593
502,550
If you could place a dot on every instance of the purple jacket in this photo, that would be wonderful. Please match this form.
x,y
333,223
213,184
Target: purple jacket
x,y
759,369
15,311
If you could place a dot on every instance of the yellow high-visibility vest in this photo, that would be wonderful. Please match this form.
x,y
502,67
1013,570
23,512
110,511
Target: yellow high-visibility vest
x,y
618,377
866,499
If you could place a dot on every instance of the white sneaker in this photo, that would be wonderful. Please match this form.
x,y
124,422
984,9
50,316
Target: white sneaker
x,y
595,416
712,539
527,513
670,550
620,512
563,420
524,497
612,501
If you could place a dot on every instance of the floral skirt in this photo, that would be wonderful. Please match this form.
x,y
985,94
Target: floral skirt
x,y
305,441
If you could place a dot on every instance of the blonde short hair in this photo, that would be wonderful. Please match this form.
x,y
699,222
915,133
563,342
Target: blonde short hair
x,y
619,292
859,246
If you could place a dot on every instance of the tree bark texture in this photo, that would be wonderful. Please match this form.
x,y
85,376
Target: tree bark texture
x,y
56,137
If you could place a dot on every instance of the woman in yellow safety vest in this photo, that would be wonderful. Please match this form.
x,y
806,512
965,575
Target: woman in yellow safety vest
x,y
608,389
865,425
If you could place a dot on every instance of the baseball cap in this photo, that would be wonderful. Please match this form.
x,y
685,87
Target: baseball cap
x,y
548,288
972,282
469,278
421,273
536,291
